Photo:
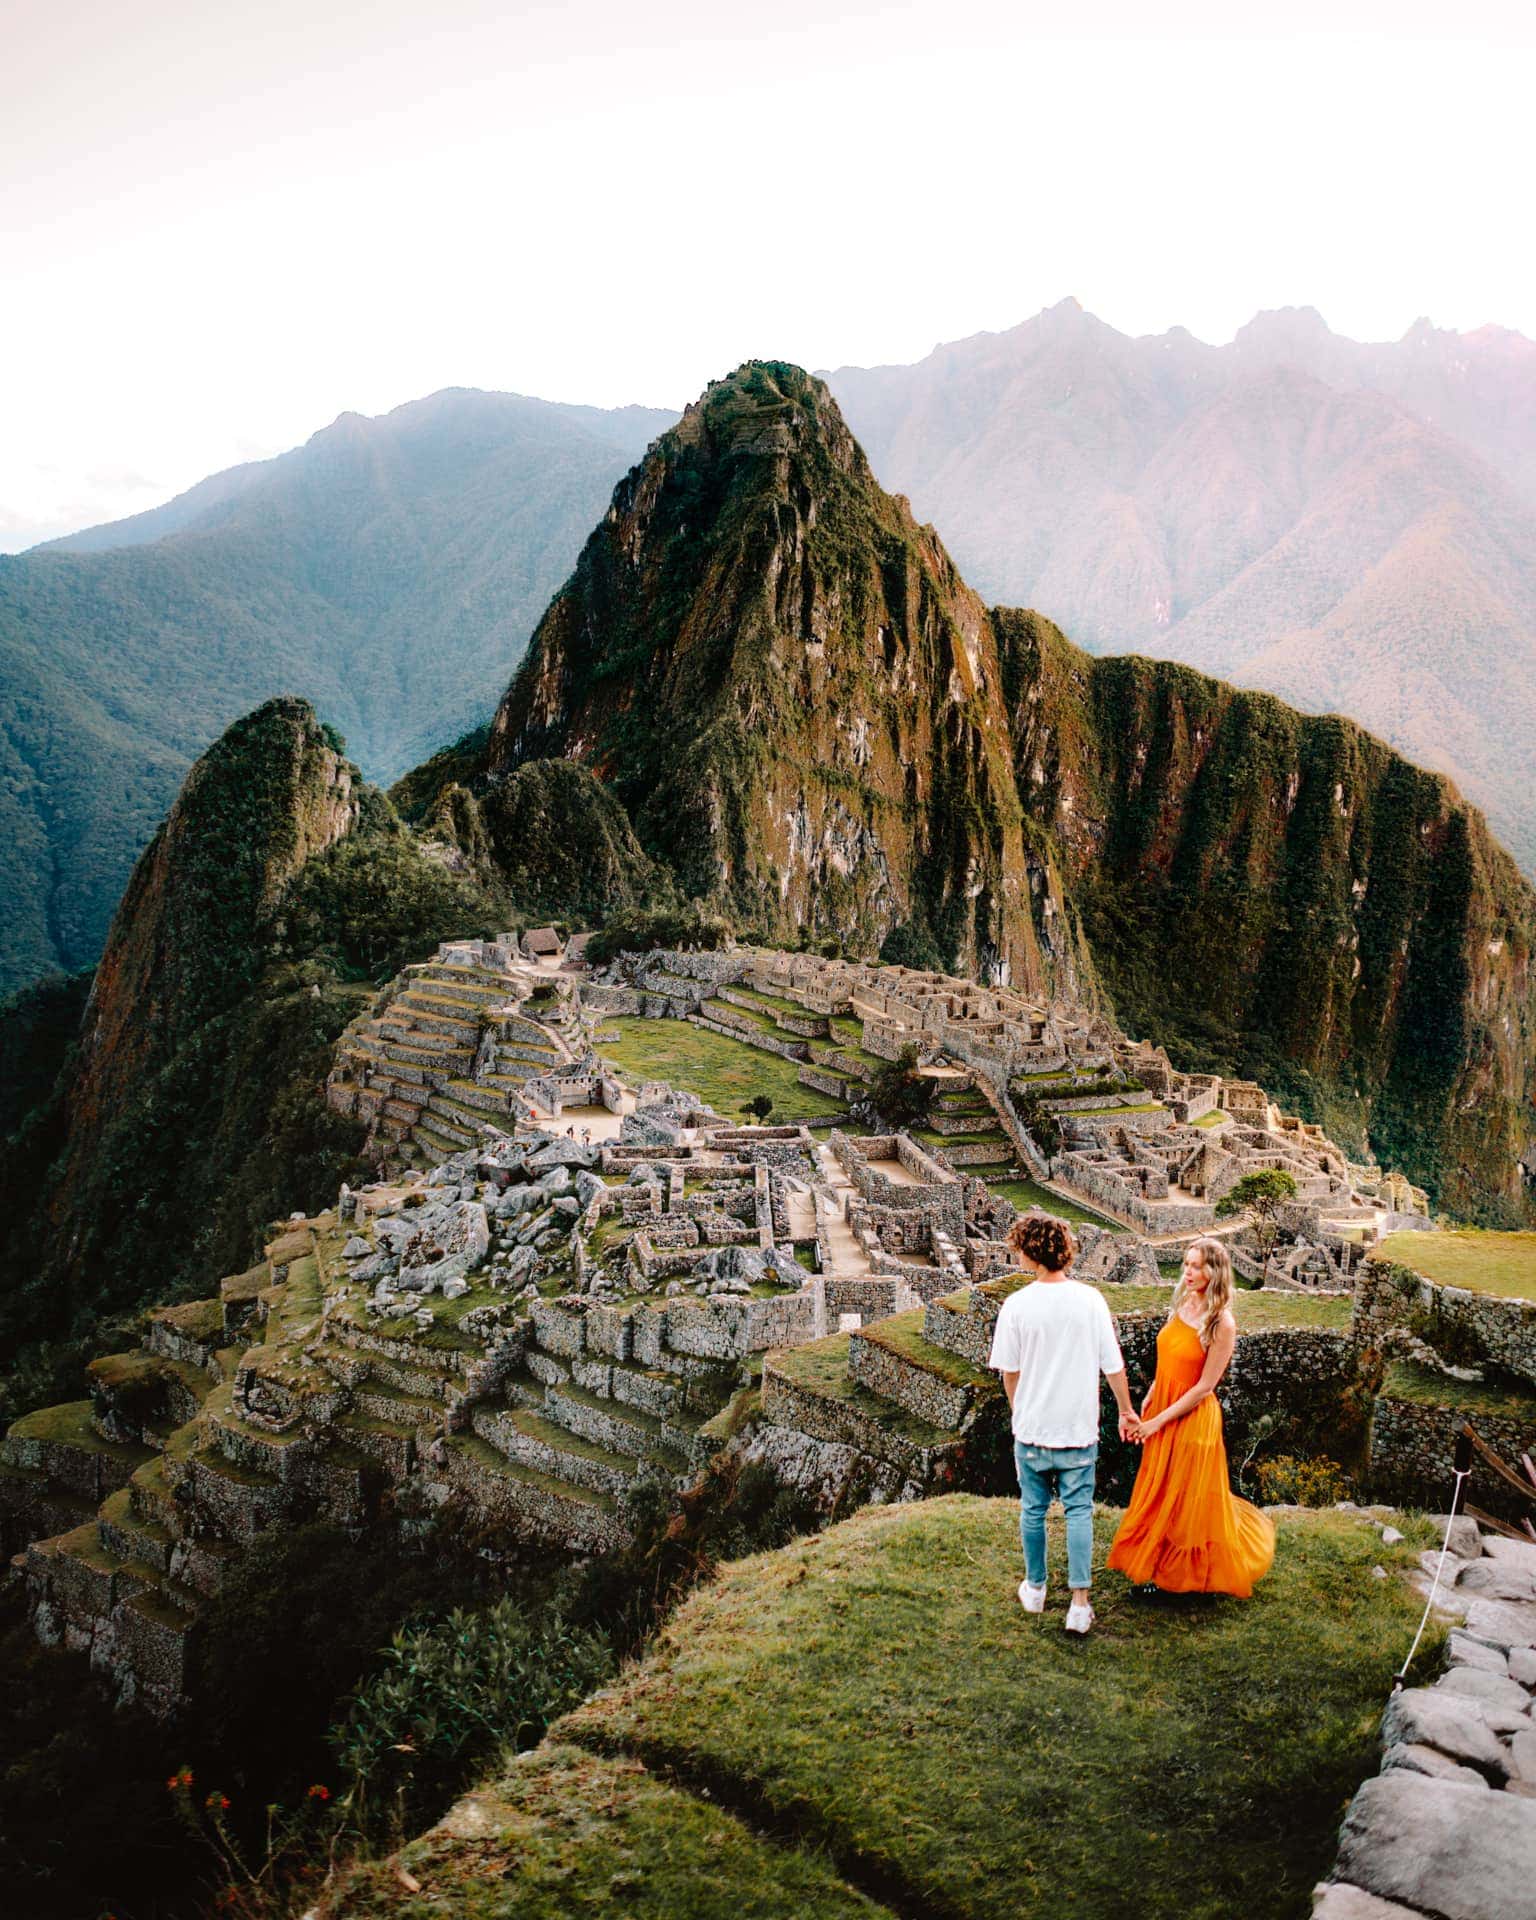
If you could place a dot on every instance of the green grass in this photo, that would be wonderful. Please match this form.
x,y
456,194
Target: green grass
x,y
1258,1310
1028,1196
564,1832
902,1334
1212,1119
878,1691
1424,1387
1097,1113
1502,1263
724,1072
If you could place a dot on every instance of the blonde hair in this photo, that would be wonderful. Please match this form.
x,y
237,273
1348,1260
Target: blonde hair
x,y
1218,1292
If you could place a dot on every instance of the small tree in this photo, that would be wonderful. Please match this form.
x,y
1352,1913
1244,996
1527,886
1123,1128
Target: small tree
x,y
759,1106
1262,1194
899,1093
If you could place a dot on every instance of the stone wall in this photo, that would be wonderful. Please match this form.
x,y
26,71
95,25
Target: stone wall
x,y
1412,1450
1464,1329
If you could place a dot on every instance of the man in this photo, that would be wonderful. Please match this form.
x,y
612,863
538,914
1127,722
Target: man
x,y
1052,1341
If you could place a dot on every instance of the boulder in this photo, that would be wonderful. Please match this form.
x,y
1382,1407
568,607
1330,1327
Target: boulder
x,y
1466,1540
1522,1755
557,1180
1442,1847
517,1200
563,1153
588,1187
1522,1665
357,1248
1513,1553
568,1206
1424,1716
454,1286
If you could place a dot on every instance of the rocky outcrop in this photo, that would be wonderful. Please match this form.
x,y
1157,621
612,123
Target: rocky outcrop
x,y
184,944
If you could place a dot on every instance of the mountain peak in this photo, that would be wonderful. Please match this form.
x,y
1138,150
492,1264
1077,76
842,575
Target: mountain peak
x,y
1279,328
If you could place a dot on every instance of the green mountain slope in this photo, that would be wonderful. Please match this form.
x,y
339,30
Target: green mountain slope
x,y
389,570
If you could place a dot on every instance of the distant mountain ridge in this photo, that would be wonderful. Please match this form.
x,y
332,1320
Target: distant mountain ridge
x,y
1350,526
389,570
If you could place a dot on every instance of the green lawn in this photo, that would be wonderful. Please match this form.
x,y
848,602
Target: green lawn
x,y
877,1691
1212,1119
1483,1262
1028,1196
725,1072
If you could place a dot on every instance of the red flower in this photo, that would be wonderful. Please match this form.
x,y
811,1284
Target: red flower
x,y
319,1793
182,1779
217,1803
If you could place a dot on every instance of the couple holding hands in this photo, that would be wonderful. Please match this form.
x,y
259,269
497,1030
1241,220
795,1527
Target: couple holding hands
x,y
1184,1531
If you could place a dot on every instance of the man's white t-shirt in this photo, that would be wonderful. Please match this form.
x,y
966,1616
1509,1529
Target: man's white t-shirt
x,y
1058,1336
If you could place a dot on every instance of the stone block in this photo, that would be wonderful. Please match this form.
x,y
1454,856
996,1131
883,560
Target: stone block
x,y
1444,1848
1505,1624
1497,1579
1424,1716
1522,1665
1516,1553
1417,1759
1505,1705
1522,1756
1336,1901
1464,1651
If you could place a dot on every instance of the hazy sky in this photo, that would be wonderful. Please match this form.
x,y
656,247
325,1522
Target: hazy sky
x,y
223,224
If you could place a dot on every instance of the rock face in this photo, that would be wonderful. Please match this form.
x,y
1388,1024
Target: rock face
x,y
793,692
812,721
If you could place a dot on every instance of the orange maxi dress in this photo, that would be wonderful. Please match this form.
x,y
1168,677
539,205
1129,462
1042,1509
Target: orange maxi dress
x,y
1185,1530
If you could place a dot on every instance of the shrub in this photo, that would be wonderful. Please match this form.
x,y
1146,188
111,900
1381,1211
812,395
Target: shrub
x,y
451,1693
1287,1480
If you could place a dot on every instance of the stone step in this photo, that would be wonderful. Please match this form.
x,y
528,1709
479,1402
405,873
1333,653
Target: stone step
x,y
124,1533
893,1359
672,1444
809,1389
429,1133
477,1095
61,1445
396,1408
452,1112
962,1322
530,1501
526,1435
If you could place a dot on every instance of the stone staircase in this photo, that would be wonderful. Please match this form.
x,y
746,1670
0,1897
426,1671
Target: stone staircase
x,y
409,1069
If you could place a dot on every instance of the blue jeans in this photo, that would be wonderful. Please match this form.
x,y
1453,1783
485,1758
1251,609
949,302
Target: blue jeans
x,y
1048,1471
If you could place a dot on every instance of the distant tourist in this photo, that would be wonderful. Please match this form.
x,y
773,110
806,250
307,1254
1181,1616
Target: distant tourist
x,y
1051,1343
1185,1531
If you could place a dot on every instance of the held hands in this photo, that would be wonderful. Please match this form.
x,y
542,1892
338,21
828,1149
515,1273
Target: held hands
x,y
1138,1431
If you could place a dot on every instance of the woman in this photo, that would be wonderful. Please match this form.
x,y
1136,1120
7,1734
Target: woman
x,y
1184,1530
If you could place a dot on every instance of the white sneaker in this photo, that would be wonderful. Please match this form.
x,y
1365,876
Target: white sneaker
x,y
1031,1599
1079,1618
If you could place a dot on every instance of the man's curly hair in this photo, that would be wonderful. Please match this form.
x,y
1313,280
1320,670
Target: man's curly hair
x,y
1049,1242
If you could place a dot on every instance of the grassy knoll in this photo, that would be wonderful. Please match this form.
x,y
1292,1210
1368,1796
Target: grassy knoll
x,y
564,1832
877,1690
725,1072
1483,1262
1028,1195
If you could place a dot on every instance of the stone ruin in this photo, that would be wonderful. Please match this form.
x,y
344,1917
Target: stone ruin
x,y
530,1325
